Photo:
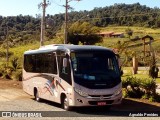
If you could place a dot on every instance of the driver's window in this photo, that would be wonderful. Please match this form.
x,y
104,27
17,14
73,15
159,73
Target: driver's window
x,y
65,65
64,71
110,64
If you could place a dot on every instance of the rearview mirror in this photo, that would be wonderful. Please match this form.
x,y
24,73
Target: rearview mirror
x,y
121,72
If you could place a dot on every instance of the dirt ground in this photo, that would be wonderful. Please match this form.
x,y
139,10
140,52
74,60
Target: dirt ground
x,y
6,84
11,90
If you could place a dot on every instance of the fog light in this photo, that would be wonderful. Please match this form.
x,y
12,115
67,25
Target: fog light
x,y
79,100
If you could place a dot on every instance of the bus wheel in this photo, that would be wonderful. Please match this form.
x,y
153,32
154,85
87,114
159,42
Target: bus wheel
x,y
37,98
65,103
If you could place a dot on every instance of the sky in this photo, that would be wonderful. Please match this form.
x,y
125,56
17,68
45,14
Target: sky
x,y
30,7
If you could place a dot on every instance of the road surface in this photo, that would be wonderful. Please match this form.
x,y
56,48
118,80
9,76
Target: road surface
x,y
13,99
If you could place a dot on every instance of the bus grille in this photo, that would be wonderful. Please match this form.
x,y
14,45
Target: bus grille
x,y
109,95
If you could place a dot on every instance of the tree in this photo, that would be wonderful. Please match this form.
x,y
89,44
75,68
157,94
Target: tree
x,y
84,32
120,48
153,69
129,32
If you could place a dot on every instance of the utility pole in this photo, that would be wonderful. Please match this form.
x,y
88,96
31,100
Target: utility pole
x,y
66,24
66,20
7,49
44,6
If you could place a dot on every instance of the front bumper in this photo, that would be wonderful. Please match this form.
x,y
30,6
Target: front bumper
x,y
98,100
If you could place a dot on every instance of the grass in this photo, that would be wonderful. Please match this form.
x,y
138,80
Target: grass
x,y
140,76
137,31
107,42
140,30
128,73
110,42
137,46
19,50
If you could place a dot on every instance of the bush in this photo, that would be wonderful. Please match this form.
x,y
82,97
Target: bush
x,y
140,88
145,96
5,71
126,82
154,98
132,86
16,69
125,93
157,97
17,75
13,71
149,86
153,71
1,72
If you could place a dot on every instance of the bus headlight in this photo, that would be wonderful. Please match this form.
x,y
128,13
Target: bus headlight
x,y
80,92
117,92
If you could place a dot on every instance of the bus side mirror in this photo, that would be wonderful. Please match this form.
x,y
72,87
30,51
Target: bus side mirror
x,y
64,62
121,72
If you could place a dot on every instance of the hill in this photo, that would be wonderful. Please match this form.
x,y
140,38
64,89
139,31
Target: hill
x,y
27,28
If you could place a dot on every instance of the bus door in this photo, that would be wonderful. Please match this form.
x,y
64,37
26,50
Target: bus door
x,y
55,77
65,81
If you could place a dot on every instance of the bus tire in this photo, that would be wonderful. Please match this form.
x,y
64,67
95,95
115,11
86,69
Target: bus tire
x,y
65,103
37,98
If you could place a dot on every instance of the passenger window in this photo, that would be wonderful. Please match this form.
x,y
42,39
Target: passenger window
x,y
41,63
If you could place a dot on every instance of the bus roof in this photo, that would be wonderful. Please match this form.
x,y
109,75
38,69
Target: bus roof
x,y
67,47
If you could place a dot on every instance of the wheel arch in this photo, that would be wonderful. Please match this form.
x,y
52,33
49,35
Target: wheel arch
x,y
35,90
62,96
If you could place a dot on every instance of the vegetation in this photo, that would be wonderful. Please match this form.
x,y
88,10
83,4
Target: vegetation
x,y
22,29
129,32
13,71
84,32
140,88
117,14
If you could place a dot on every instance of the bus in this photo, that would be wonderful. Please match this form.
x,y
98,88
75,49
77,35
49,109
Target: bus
x,y
73,75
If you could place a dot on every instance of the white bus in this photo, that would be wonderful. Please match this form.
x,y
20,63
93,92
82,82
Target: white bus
x,y
73,75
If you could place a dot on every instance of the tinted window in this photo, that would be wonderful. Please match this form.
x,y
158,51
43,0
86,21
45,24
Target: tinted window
x,y
41,63
95,70
65,72
95,66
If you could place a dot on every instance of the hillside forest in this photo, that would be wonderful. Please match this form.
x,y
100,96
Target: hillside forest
x,y
24,28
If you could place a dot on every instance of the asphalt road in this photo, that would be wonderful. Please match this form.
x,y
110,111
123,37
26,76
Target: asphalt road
x,y
13,100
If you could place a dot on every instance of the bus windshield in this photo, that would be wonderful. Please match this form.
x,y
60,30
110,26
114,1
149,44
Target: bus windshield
x,y
96,66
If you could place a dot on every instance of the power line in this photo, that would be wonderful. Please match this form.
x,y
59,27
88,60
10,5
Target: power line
x,y
75,4
56,3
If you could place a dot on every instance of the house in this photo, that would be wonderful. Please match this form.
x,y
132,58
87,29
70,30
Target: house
x,y
106,34
121,35
111,34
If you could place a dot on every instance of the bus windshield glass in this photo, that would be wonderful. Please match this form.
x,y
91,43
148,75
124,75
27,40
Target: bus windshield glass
x,y
96,66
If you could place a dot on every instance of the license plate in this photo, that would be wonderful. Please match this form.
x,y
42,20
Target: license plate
x,y
101,103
